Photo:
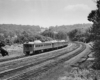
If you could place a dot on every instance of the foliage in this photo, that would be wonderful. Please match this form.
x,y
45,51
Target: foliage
x,y
68,28
76,35
94,16
11,34
13,28
73,34
48,33
54,35
61,35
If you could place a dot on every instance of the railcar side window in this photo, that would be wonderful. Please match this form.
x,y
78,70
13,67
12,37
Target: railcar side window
x,y
27,45
39,45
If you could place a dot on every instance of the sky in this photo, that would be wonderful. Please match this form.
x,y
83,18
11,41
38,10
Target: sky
x,y
45,13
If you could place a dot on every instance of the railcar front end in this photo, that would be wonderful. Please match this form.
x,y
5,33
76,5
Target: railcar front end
x,y
28,49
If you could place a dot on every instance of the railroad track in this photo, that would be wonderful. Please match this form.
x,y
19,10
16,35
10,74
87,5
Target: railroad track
x,y
52,63
18,57
45,68
33,59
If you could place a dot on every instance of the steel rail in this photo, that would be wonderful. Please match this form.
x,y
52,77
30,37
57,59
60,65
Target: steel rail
x,y
22,56
24,67
8,65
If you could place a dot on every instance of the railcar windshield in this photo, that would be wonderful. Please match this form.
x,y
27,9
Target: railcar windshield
x,y
27,46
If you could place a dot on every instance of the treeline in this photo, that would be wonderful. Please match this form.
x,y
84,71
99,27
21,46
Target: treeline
x,y
76,32
20,28
68,28
11,33
78,35
22,37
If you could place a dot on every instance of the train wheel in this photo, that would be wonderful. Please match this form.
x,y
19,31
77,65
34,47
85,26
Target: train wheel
x,y
27,53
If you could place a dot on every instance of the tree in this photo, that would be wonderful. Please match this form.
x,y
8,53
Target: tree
x,y
74,35
61,35
48,33
94,16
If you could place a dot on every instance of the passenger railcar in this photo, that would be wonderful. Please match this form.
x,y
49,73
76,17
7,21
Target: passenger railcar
x,y
35,48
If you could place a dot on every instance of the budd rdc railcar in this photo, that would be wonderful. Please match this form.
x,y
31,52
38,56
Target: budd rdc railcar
x,y
36,48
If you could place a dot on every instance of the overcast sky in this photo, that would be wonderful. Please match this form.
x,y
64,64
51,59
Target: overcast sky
x,y
45,12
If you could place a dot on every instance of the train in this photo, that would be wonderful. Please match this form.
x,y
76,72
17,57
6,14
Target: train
x,y
32,48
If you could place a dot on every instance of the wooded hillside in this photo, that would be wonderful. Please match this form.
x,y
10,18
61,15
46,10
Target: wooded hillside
x,y
68,28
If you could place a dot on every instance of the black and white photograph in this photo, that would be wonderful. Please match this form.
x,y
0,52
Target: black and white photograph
x,y
49,40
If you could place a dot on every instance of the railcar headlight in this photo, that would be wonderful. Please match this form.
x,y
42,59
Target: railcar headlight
x,y
31,52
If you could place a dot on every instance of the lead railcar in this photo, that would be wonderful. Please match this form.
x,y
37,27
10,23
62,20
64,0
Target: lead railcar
x,y
35,48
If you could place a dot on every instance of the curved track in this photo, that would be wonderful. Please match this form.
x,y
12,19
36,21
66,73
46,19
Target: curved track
x,y
18,57
53,61
18,63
